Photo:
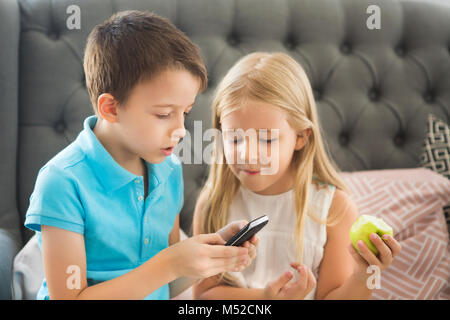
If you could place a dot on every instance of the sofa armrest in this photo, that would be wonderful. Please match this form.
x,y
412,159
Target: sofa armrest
x,y
10,237
9,246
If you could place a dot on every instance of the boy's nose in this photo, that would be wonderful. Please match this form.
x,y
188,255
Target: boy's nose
x,y
179,133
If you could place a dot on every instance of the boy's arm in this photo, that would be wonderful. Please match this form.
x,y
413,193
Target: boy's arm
x,y
183,283
212,288
65,270
220,292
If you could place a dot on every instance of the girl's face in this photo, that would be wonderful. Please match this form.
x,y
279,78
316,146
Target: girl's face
x,y
261,159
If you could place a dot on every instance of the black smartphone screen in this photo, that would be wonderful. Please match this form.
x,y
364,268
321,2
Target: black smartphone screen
x,y
247,232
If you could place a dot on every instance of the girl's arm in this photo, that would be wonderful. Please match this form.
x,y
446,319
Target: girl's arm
x,y
213,289
337,279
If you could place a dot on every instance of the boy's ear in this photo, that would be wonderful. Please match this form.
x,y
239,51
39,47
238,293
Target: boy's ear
x,y
107,107
302,138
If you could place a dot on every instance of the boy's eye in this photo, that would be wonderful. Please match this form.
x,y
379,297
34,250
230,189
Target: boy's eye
x,y
165,116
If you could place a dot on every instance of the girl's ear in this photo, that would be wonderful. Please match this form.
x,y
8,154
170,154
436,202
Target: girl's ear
x,y
302,138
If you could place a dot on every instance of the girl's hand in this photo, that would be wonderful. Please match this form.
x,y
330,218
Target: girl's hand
x,y
205,255
231,229
283,289
387,250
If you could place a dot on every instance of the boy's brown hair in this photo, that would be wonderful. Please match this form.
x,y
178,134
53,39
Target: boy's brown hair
x,y
133,46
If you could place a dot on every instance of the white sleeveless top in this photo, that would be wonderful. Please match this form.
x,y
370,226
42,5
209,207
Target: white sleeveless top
x,y
276,248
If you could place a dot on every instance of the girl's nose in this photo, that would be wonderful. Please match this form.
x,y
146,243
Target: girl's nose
x,y
248,151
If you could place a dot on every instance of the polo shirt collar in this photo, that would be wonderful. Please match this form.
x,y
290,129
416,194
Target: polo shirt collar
x,y
111,175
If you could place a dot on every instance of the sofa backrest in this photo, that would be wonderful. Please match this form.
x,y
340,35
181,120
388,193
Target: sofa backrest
x,y
374,87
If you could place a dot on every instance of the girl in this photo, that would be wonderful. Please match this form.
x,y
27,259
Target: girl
x,y
309,208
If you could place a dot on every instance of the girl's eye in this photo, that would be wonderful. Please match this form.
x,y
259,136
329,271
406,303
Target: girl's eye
x,y
236,141
267,141
262,140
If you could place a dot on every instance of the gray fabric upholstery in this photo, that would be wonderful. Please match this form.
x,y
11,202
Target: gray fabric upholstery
x,y
374,88
10,239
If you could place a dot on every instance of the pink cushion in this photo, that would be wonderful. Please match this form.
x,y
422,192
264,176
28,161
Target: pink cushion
x,y
411,201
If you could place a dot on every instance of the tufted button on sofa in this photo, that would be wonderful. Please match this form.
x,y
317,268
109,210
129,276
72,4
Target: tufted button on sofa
x,y
373,88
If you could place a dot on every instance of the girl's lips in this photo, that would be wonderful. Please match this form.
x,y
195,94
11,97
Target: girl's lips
x,y
251,172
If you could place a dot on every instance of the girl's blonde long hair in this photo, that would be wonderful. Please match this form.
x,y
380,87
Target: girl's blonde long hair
x,y
277,79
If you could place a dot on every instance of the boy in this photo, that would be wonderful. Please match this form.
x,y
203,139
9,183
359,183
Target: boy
x,y
106,208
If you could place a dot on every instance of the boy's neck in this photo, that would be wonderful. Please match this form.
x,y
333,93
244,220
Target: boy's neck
x,y
126,159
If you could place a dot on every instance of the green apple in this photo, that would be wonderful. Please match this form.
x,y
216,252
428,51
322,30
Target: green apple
x,y
364,226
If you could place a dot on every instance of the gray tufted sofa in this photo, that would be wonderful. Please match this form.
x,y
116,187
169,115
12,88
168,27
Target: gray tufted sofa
x,y
374,88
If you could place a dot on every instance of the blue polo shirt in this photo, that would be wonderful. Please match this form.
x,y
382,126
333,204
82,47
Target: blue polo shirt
x,y
84,190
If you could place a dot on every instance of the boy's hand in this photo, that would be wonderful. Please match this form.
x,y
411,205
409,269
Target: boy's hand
x,y
283,289
205,255
231,229
387,250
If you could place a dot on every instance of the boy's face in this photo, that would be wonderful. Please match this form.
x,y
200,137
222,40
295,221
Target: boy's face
x,y
248,159
152,119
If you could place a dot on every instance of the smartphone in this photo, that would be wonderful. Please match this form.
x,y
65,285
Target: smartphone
x,y
247,232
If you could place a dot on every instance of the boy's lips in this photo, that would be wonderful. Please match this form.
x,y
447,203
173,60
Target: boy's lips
x,y
167,151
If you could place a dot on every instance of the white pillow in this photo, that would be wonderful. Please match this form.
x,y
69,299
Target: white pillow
x,y
28,271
